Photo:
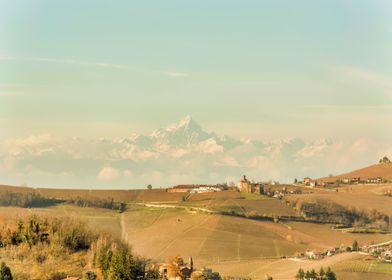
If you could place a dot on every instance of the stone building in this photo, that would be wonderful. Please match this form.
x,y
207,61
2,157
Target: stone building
x,y
246,186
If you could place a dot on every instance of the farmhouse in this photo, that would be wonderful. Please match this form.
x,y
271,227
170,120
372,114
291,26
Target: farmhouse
x,y
387,255
377,180
193,189
307,180
205,189
246,186
184,188
313,254
176,270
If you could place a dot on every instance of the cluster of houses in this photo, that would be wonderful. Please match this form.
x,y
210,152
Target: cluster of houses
x,y
177,269
194,189
244,185
317,254
382,252
307,181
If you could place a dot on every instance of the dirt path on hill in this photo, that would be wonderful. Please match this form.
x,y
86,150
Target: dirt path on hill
x,y
124,234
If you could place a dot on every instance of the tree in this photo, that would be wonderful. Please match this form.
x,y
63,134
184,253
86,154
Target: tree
x,y
149,187
307,275
322,273
313,274
355,246
300,275
122,207
5,272
385,160
295,181
120,264
330,275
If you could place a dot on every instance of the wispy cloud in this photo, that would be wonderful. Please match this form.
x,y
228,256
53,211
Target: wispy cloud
x,y
368,79
99,64
176,74
69,61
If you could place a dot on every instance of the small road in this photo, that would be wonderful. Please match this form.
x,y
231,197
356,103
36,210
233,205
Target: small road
x,y
381,244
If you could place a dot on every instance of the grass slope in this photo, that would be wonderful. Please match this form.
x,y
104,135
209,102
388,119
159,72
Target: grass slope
x,y
372,171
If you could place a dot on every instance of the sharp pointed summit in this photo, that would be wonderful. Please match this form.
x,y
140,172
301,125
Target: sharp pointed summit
x,y
187,123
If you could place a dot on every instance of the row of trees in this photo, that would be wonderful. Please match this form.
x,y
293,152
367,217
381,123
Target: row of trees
x,y
34,199
331,212
99,203
26,200
313,275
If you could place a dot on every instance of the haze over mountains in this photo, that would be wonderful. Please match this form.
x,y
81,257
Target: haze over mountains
x,y
180,153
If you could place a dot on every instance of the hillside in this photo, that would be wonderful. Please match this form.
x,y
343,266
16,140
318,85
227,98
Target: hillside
x,y
383,170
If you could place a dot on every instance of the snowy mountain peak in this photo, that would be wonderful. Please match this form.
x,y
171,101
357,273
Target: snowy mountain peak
x,y
185,121
187,124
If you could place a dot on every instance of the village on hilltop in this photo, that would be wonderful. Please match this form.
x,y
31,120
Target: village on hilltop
x,y
275,189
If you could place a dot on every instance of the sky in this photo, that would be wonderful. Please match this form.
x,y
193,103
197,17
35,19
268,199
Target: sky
x,y
263,70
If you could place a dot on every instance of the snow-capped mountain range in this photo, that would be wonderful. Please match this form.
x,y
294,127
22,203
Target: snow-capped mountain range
x,y
180,153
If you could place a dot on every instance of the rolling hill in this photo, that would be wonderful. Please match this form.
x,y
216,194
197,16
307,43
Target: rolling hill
x,y
383,170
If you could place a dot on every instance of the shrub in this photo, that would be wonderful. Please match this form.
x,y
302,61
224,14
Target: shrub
x,y
89,275
40,258
5,272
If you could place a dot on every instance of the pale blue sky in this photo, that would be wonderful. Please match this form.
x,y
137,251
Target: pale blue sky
x,y
320,71
110,68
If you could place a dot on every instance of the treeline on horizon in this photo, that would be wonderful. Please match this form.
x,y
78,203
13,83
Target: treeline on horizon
x,y
36,200
26,200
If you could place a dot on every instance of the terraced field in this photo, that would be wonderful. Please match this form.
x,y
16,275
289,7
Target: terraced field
x,y
363,269
208,238
236,203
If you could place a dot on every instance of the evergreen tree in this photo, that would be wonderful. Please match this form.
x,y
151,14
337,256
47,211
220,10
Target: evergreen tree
x,y
103,259
300,275
120,264
330,275
322,273
313,274
355,246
